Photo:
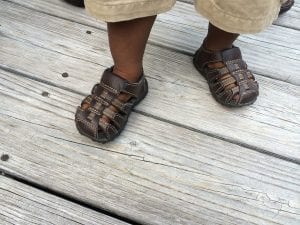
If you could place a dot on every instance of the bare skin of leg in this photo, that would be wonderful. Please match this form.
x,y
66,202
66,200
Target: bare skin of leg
x,y
127,41
217,40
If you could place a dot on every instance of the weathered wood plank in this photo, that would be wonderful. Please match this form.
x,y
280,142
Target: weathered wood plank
x,y
38,47
22,204
291,18
182,29
155,172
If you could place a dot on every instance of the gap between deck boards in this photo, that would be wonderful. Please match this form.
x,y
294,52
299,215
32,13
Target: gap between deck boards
x,y
37,155
251,147
151,42
67,197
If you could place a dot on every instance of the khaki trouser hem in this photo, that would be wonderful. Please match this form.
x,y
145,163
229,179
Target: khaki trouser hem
x,y
233,24
122,16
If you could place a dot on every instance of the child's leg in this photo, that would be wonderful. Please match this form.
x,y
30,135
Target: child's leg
x,y
127,42
218,39
231,83
103,114
229,79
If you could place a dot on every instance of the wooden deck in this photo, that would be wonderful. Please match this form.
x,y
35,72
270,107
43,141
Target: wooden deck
x,y
182,159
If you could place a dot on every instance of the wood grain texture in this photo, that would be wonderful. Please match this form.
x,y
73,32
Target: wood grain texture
x,y
21,204
43,47
182,29
291,18
154,173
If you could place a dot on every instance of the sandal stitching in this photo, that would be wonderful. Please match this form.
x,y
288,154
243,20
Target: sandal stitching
x,y
101,108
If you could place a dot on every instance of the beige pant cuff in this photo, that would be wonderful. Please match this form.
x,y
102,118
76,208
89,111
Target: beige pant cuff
x,y
129,11
232,24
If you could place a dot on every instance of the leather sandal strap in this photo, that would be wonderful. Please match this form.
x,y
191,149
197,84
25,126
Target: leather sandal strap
x,y
228,81
87,100
90,120
134,88
114,117
234,65
240,75
231,54
123,107
240,80
207,57
115,84
108,129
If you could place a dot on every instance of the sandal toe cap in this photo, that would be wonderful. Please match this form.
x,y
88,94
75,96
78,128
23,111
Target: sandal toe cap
x,y
248,97
84,126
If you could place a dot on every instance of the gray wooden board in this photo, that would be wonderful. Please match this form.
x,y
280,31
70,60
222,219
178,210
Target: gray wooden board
x,y
22,204
154,173
291,18
182,29
43,47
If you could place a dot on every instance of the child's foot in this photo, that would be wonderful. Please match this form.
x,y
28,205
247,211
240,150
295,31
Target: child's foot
x,y
103,114
229,80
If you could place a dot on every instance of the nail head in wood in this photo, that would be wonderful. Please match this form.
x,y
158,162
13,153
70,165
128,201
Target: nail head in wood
x,y
4,157
45,94
65,74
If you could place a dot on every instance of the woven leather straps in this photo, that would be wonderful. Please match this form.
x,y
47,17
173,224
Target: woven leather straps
x,y
104,94
232,84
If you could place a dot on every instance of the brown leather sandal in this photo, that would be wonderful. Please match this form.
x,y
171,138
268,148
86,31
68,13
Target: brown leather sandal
x,y
105,102
231,83
286,6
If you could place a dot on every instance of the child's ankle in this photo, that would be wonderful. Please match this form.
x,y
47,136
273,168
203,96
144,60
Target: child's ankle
x,y
131,75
